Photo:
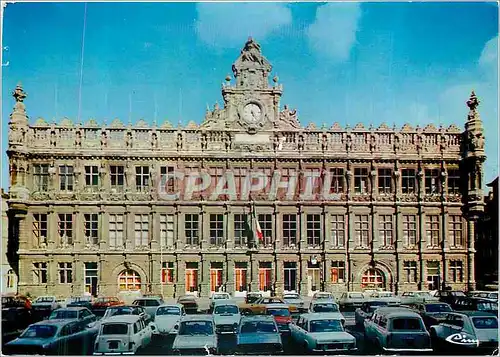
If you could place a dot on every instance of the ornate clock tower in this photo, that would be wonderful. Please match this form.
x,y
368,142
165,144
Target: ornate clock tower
x,y
251,104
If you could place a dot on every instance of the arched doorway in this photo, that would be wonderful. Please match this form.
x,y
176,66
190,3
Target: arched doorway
x,y
373,279
129,280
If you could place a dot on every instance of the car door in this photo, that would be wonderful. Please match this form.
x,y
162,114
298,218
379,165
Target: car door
x,y
301,331
147,332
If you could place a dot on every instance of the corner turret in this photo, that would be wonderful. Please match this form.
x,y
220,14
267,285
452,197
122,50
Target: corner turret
x,y
18,124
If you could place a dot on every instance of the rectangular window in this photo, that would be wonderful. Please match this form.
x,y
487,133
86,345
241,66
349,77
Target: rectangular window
x,y
91,278
65,273
191,277
313,227
360,180
410,229
167,273
91,228
453,181
116,231
167,179
408,181
240,230
456,271
117,175
191,229
432,182
217,229
141,230
455,223
167,230
39,273
66,228
216,272
290,276
41,177
92,177
384,181
337,177
265,276
289,230
240,276
432,230
66,178
337,271
410,269
40,229
361,230
433,275
266,225
338,230
385,230
142,178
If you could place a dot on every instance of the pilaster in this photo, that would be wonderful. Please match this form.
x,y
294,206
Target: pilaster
x,y
103,229
205,277
254,276
230,273
303,276
229,229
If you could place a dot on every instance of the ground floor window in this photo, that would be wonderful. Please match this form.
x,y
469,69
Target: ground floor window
x,y
191,277
338,271
129,280
91,278
433,275
240,273
290,276
265,276
40,273
456,271
65,273
167,273
216,270
372,278
313,276
410,268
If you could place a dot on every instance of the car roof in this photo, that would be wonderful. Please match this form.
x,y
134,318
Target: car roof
x,y
124,307
72,308
122,318
54,322
392,311
200,317
324,301
277,306
225,302
148,298
186,297
180,306
473,313
322,316
257,318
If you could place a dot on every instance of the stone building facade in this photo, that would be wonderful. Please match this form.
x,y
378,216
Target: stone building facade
x,y
9,276
88,213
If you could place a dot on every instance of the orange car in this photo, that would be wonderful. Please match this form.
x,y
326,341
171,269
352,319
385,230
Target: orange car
x,y
102,303
258,307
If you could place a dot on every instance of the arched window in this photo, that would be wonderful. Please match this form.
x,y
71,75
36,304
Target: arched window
x,y
129,280
11,278
373,278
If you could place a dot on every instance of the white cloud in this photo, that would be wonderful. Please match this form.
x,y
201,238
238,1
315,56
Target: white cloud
x,y
333,32
230,24
489,55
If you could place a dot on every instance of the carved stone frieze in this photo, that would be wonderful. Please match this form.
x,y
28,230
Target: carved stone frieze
x,y
40,196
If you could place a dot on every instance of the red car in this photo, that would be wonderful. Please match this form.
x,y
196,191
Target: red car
x,y
102,303
282,316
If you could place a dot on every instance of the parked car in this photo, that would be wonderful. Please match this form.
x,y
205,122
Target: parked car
x,y
351,300
167,319
153,295
366,311
126,310
282,316
476,304
321,333
432,313
252,297
258,335
80,314
323,295
102,303
80,301
60,337
122,334
466,332
189,303
387,296
329,306
259,306
149,304
226,316
296,300
218,296
16,316
490,295
415,297
397,329
196,336
43,306
449,296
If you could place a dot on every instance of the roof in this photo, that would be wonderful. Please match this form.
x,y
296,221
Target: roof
x,y
396,311
323,315
186,297
257,318
474,313
122,318
493,183
72,308
201,317
148,298
323,301
180,306
55,322
225,302
277,306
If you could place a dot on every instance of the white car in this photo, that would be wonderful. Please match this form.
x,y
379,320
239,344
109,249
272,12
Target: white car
x,y
122,334
326,306
415,297
387,296
323,295
296,300
196,335
218,296
351,300
226,314
167,319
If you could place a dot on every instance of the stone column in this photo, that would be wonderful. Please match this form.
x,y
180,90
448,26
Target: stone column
x,y
229,228
254,279
302,229
471,271
154,229
421,246
52,234
280,284
278,228
204,228
398,229
205,277
52,276
103,229
303,276
351,243
444,229
129,229
180,286
230,270
374,229
180,237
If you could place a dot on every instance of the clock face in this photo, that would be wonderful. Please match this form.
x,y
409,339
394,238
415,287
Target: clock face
x,y
252,113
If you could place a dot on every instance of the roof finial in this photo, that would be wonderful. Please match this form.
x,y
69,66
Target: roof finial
x,y
473,102
19,94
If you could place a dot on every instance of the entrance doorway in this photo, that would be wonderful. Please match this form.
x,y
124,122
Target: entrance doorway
x,y
290,277
313,277
192,278
91,279
215,277
373,279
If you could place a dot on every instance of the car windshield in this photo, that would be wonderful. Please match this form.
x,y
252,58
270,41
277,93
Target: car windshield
x,y
385,294
103,300
437,308
487,306
278,312
196,328
151,303
325,307
115,329
485,322
355,295
423,294
375,305
457,293
226,309
406,324
168,311
118,311
12,302
326,326
63,314
323,296
291,297
39,331
219,296
45,299
258,327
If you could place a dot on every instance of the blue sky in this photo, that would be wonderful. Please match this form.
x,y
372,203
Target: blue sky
x,y
345,62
